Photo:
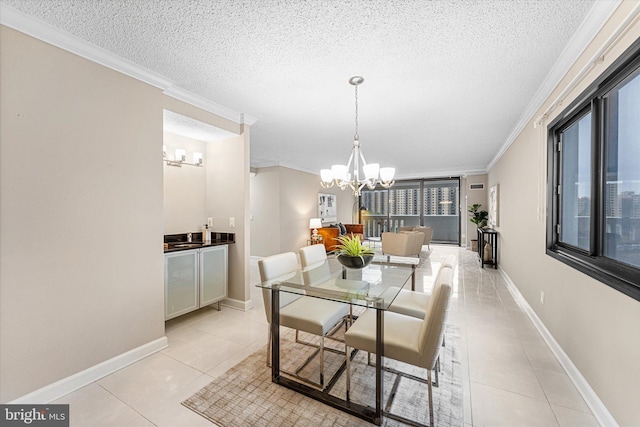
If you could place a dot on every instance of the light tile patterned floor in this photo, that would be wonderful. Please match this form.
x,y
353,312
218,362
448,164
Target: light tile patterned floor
x,y
510,376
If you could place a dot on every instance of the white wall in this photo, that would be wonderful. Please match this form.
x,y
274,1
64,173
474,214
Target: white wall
x,y
283,201
81,260
596,326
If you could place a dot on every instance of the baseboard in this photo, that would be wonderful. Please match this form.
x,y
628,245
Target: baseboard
x,y
72,383
237,304
599,410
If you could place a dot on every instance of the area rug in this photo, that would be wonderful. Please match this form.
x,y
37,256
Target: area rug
x,y
245,395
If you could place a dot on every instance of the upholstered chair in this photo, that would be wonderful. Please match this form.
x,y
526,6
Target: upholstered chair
x,y
405,243
427,231
406,339
312,315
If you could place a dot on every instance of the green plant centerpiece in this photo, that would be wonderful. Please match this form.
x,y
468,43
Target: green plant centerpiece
x,y
351,253
479,218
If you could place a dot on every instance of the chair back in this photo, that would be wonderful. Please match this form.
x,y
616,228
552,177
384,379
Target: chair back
x,y
417,239
450,261
277,267
432,331
311,255
405,243
428,233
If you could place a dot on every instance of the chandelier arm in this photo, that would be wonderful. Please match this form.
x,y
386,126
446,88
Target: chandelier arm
x,y
364,164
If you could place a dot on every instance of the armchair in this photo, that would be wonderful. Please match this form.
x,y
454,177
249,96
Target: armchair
x,y
406,243
427,231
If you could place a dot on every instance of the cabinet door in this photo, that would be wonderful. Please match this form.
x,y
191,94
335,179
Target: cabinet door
x,y
180,283
213,274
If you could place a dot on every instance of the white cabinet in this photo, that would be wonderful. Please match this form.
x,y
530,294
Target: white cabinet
x,y
193,279
213,274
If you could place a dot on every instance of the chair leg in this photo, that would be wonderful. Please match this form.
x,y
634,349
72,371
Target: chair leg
x,y
430,398
346,352
322,362
269,346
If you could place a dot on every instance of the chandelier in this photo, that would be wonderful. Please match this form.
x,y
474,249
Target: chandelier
x,y
357,173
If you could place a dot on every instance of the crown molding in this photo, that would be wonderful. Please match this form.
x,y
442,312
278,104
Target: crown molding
x,y
47,33
203,103
247,119
584,35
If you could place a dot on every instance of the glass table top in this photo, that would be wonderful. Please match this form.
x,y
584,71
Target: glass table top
x,y
376,285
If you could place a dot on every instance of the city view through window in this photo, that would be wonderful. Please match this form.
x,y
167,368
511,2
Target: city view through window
x,y
431,203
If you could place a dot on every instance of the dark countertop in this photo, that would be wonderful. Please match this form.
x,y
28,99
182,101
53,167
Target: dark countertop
x,y
178,242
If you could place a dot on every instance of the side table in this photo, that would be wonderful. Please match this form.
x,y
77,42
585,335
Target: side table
x,y
490,236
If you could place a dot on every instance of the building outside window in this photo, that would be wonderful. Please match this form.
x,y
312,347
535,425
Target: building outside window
x,y
432,203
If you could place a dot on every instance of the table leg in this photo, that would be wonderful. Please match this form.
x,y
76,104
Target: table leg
x,y
413,277
379,351
275,334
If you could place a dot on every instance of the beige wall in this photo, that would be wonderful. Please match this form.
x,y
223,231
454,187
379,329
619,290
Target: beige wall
x,y
185,188
228,197
81,212
81,261
282,202
597,326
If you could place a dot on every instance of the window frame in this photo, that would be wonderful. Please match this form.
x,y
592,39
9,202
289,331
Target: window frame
x,y
620,276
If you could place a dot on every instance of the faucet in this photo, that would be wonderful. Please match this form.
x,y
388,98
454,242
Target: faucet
x,y
189,237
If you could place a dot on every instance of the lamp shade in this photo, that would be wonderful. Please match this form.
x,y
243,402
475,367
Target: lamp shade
x,y
315,223
371,170
197,158
386,174
181,154
339,172
326,175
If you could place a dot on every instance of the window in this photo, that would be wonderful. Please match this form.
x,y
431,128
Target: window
x,y
432,203
593,219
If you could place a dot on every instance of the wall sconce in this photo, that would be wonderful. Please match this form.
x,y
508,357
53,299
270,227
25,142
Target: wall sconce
x,y
180,158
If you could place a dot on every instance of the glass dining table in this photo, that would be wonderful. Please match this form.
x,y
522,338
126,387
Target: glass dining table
x,y
374,287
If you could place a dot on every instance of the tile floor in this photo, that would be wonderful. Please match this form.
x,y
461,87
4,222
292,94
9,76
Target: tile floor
x,y
511,377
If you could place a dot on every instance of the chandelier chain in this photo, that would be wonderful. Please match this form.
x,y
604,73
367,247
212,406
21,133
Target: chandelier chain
x,y
356,136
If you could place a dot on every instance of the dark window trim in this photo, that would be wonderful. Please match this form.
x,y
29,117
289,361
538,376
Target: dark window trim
x,y
619,276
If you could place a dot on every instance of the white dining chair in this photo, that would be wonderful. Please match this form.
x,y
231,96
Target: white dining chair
x,y
302,313
406,339
313,260
414,303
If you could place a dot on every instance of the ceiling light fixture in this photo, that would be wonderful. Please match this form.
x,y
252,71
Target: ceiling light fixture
x,y
357,173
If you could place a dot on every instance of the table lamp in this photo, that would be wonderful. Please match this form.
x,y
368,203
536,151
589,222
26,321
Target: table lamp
x,y
315,223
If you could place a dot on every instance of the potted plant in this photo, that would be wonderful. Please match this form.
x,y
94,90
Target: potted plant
x,y
479,218
351,253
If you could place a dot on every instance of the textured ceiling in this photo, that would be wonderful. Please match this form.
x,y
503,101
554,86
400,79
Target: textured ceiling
x,y
445,81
